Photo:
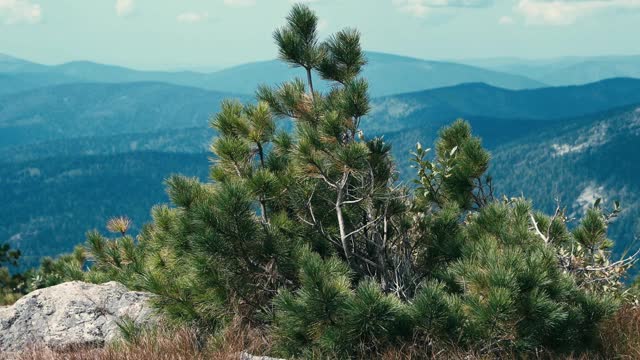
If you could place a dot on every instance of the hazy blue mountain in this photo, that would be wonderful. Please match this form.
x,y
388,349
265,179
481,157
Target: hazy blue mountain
x,y
82,110
388,74
567,70
15,83
10,64
87,71
594,70
18,75
95,72
516,65
102,110
432,108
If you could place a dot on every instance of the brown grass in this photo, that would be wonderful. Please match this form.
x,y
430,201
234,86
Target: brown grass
x,y
180,345
458,354
183,344
620,335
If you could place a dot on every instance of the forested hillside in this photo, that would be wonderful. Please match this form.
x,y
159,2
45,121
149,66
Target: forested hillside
x,y
578,162
183,140
437,107
55,201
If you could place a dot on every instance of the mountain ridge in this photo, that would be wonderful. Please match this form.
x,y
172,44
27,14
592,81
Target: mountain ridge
x,y
408,74
566,70
101,109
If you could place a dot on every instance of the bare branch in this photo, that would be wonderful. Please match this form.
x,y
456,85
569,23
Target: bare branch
x,y
535,227
364,226
352,201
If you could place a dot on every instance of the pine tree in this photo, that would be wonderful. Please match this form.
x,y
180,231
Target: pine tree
x,y
8,256
12,285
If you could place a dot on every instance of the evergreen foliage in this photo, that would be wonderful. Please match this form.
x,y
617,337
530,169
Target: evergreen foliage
x,y
310,234
12,285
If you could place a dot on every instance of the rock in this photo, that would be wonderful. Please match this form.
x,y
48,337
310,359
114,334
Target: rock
x,y
247,356
73,314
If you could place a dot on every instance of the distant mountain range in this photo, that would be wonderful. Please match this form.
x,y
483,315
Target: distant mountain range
x,y
74,112
98,109
497,114
566,71
82,142
388,74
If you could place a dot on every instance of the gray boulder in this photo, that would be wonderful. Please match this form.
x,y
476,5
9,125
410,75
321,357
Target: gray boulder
x,y
73,314
246,356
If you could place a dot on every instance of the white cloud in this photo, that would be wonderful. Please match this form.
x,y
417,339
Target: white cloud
x,y
192,17
20,12
420,8
506,20
124,7
240,3
416,8
567,12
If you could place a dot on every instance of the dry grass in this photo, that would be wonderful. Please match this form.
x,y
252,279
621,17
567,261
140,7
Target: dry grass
x,y
454,354
183,344
620,335
7,299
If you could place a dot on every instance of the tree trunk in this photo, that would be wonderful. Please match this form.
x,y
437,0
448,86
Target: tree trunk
x,y
263,205
379,241
310,82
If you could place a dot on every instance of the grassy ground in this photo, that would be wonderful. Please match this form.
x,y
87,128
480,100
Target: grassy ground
x,y
620,337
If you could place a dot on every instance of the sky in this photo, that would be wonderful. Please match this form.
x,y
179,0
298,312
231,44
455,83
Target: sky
x,y
210,34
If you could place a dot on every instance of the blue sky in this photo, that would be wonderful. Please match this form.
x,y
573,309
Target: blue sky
x,y
162,34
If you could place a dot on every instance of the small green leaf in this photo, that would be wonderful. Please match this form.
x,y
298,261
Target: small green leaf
x,y
597,203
